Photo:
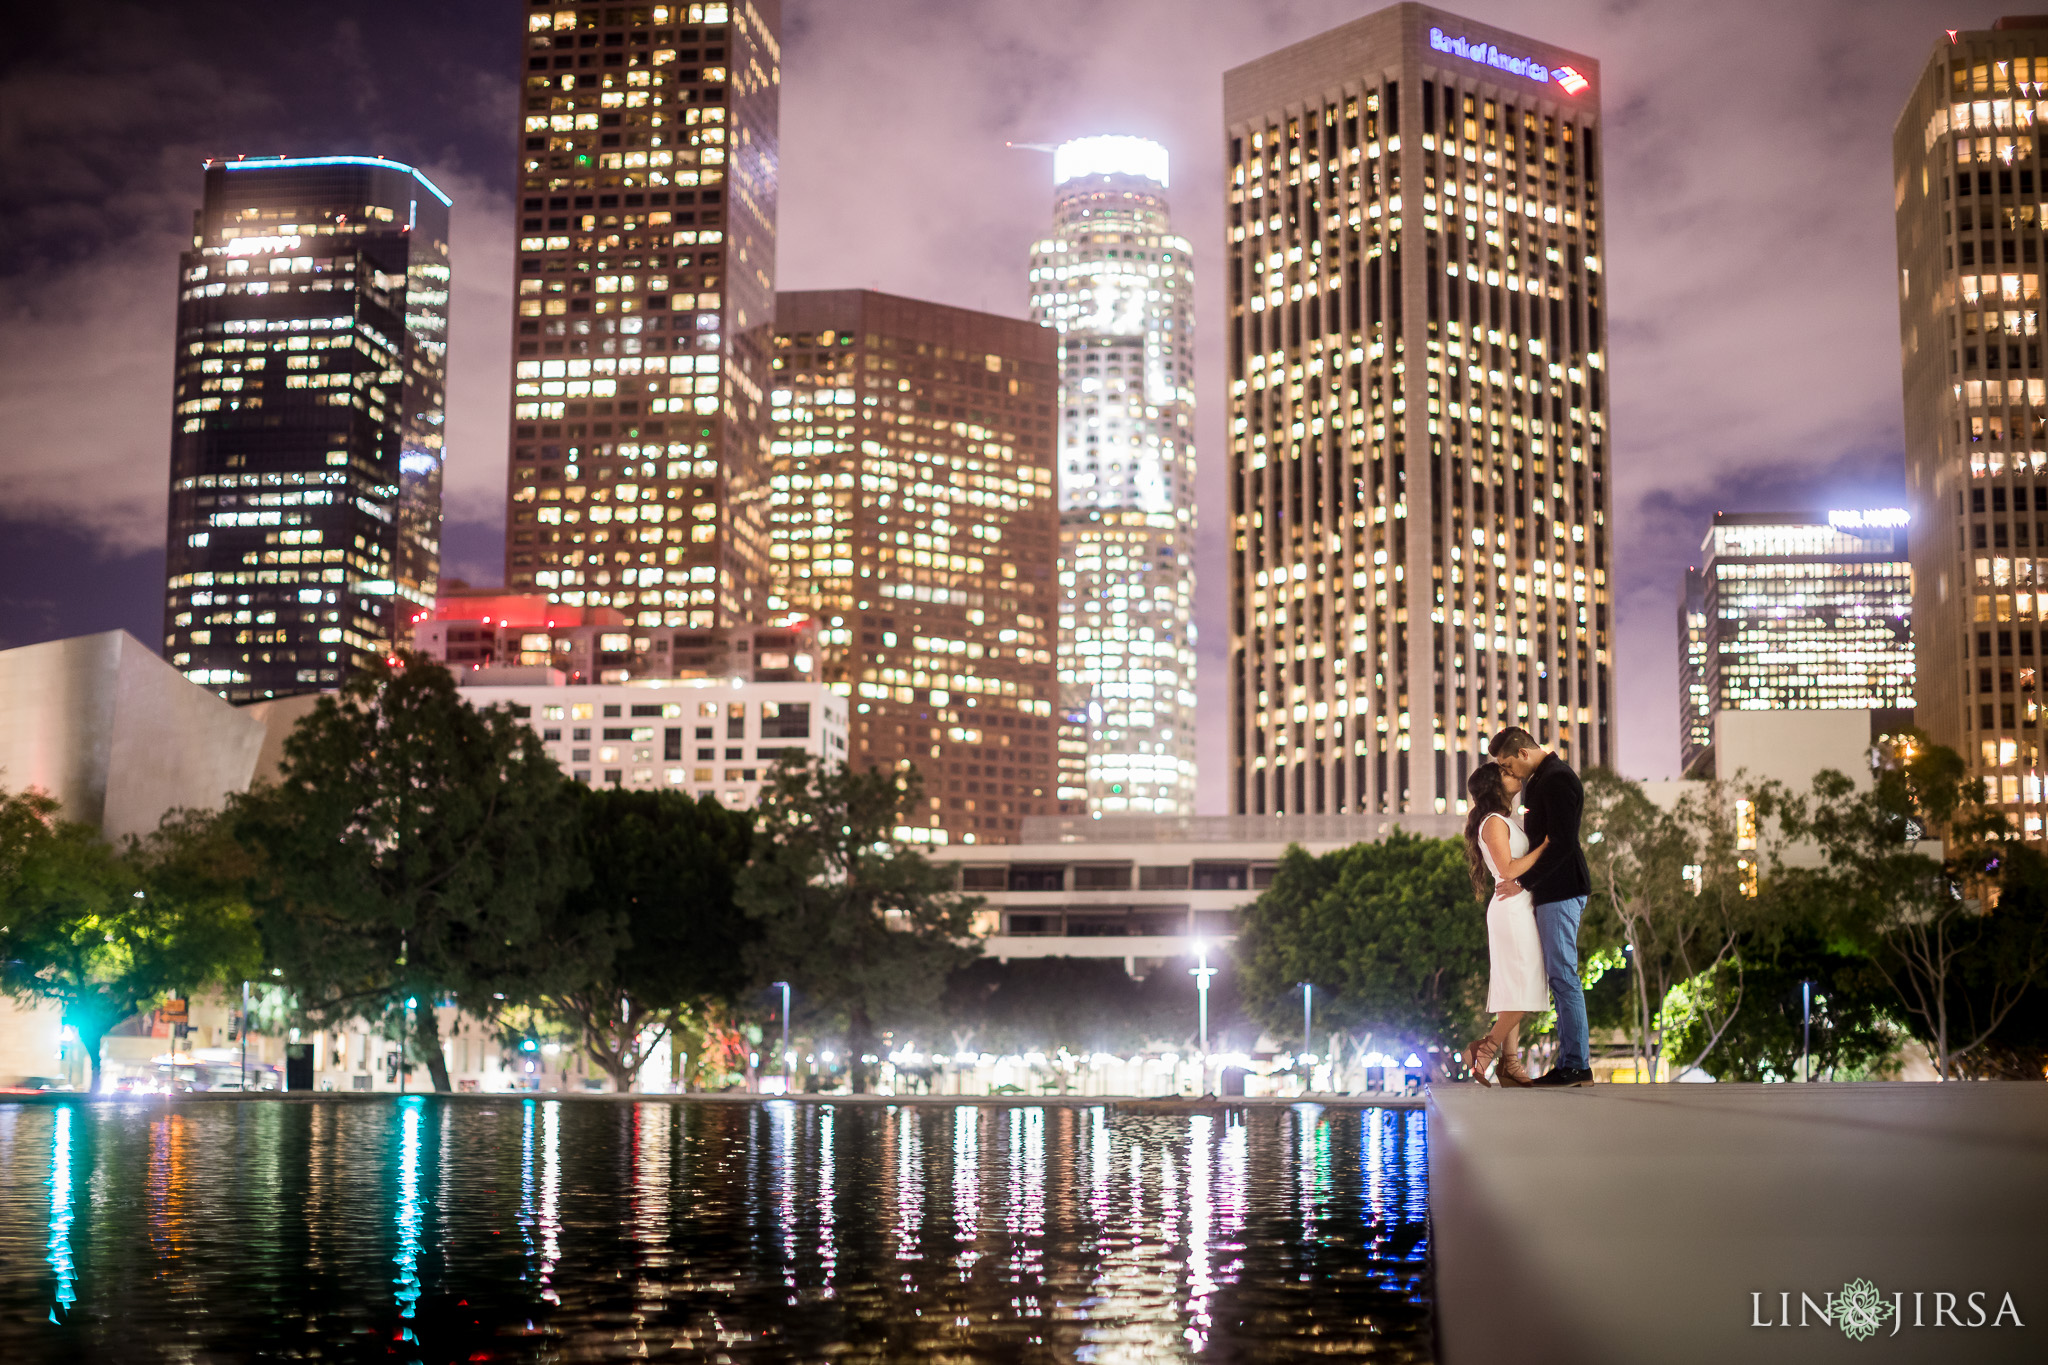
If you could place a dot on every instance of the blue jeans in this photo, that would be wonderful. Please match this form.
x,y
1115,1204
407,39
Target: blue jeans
x,y
1557,925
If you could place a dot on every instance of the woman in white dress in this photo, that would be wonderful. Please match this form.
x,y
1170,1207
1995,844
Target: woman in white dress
x,y
1498,851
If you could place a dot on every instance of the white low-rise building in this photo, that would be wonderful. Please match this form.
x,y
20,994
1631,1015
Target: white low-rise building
x,y
1145,888
716,737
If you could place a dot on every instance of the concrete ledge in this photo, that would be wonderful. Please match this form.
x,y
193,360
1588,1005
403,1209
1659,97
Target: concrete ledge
x,y
1633,1223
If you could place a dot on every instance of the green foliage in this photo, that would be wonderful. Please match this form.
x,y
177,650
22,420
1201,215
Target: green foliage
x,y
1854,1032
655,931
410,850
106,933
2017,1046
857,923
1389,933
1933,919
1678,890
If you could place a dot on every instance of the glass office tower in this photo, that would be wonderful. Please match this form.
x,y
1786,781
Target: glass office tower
x,y
1419,545
644,301
1968,194
1118,285
1695,703
306,452
913,520
1797,612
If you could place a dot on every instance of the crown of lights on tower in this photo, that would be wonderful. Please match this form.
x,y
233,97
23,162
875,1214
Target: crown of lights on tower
x,y
1137,156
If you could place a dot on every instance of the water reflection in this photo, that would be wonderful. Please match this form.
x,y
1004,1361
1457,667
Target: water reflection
x,y
542,1229
550,1197
59,1246
409,1211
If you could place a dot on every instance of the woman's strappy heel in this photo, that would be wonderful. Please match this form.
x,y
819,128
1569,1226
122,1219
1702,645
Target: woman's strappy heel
x,y
1480,1056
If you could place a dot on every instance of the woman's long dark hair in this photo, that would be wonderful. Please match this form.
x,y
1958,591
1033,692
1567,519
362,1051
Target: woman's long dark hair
x,y
1488,797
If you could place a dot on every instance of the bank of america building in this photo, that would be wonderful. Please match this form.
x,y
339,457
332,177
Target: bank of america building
x,y
1418,445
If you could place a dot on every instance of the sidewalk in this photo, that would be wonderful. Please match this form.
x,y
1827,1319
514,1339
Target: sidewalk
x,y
1634,1223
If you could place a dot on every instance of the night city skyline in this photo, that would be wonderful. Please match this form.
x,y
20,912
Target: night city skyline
x,y
933,680
1716,405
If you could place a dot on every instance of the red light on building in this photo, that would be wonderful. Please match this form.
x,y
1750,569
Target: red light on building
x,y
1571,80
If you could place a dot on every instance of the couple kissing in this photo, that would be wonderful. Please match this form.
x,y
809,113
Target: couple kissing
x,y
1522,842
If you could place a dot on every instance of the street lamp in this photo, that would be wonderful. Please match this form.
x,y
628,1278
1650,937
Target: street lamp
x,y
1202,971
785,1034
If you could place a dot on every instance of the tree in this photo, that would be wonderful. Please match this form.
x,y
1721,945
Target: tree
x,y
849,917
1932,924
106,933
1389,933
1677,889
408,852
1787,971
657,930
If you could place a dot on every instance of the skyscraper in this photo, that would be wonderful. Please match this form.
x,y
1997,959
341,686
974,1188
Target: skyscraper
x,y
1695,703
645,295
1967,191
1798,612
1118,286
913,518
305,511
1419,454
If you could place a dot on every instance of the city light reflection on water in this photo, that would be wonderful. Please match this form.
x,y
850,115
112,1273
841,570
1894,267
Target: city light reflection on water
x,y
540,1228
61,1264
409,1210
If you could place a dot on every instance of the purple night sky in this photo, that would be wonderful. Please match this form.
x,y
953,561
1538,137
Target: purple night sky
x,y
1749,247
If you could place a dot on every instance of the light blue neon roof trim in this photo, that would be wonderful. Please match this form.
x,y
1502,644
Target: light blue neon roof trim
x,y
250,163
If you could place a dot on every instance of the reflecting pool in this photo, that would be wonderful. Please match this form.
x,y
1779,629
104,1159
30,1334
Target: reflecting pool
x,y
528,1229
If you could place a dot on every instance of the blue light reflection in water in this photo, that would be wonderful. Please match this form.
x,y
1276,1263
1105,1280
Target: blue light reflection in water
x,y
528,1229
410,1213
60,1214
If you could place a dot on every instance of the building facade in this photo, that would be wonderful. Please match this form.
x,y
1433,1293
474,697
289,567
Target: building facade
x,y
644,297
1968,182
1118,286
1799,612
716,737
471,630
306,446
1695,704
1146,889
913,520
1419,454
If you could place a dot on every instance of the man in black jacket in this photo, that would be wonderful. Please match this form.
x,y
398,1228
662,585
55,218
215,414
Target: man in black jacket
x,y
1552,801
